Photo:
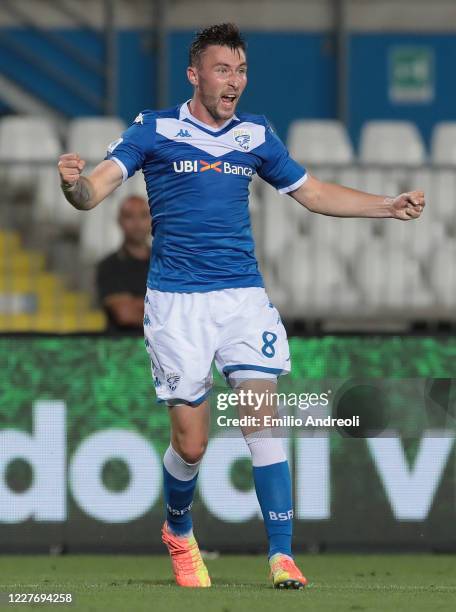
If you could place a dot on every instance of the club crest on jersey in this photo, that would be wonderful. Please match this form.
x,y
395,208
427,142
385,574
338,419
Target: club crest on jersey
x,y
172,380
243,138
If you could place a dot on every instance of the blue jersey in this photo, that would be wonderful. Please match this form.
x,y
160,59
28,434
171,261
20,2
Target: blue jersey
x,y
197,180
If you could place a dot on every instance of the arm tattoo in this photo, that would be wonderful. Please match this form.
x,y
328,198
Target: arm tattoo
x,y
79,194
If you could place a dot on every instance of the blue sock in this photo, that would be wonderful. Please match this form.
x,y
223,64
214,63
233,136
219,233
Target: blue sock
x,y
273,489
178,499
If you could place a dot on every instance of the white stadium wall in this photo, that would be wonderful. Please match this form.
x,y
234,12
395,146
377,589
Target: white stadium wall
x,y
298,15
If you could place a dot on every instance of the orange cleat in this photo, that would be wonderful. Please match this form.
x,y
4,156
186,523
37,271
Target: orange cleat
x,y
188,565
285,574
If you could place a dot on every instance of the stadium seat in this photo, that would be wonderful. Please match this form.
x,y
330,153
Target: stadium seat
x,y
276,289
100,233
349,176
111,233
396,145
442,195
277,225
391,143
388,181
91,136
256,217
319,142
442,274
27,139
443,185
33,144
388,276
134,186
443,143
343,236
315,279
439,186
416,238
34,298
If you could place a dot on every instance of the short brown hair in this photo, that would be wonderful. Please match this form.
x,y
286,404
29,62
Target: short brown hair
x,y
223,34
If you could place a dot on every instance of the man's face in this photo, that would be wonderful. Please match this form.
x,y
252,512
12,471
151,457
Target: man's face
x,y
219,79
134,219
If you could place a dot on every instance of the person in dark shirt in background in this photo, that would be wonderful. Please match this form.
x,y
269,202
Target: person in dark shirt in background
x,y
121,277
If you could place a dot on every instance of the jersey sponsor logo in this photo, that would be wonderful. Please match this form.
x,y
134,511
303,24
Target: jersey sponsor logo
x,y
114,144
172,380
207,166
139,119
243,138
185,165
281,516
235,169
188,166
183,134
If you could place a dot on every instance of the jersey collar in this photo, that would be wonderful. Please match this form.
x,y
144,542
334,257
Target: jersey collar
x,y
184,113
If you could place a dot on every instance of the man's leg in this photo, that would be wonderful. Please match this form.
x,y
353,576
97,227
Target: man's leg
x,y
180,339
271,475
189,433
271,472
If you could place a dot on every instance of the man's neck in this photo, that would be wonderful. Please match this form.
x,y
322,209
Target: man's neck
x,y
200,112
137,251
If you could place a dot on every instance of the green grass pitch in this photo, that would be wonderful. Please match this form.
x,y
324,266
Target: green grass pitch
x,y
337,583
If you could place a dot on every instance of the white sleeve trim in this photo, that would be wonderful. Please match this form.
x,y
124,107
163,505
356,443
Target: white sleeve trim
x,y
298,183
122,167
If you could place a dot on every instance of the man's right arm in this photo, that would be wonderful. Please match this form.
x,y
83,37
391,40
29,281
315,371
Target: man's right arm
x,y
85,192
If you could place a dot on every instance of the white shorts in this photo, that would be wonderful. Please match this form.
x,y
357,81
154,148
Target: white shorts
x,y
184,332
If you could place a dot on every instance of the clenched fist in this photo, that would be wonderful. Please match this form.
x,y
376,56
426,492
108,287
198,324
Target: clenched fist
x,y
408,205
70,167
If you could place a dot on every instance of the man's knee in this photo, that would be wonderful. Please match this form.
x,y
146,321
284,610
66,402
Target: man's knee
x,y
190,449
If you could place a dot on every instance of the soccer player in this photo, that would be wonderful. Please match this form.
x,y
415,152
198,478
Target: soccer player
x,y
205,298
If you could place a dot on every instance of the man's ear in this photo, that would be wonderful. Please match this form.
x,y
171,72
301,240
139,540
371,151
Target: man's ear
x,y
192,76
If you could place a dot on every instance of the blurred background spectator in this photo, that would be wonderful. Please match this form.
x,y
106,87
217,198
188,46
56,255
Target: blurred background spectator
x,y
122,275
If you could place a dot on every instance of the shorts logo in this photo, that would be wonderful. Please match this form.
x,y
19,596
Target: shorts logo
x,y
243,138
157,382
172,380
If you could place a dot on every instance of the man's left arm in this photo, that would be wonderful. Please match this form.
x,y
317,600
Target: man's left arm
x,y
337,201
126,309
